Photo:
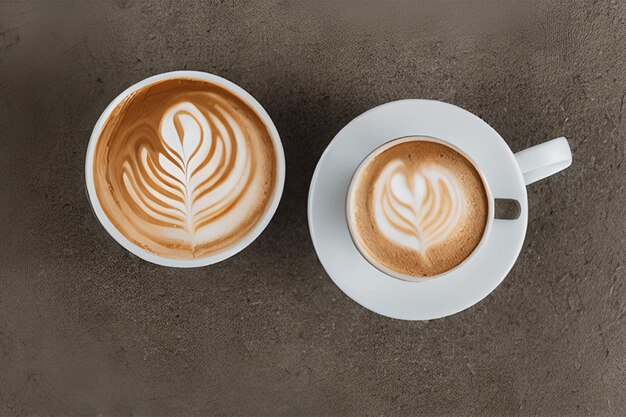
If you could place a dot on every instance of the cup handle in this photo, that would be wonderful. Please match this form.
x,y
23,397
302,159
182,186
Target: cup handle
x,y
541,161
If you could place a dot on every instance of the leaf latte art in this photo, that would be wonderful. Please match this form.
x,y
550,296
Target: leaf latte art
x,y
184,168
199,176
416,208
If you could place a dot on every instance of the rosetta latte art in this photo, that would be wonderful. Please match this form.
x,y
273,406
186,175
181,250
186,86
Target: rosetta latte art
x,y
416,208
202,172
184,173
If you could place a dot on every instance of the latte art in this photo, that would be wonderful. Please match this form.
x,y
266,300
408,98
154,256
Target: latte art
x,y
184,168
416,209
200,175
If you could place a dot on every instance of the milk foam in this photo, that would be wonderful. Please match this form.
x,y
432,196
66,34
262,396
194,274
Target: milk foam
x,y
416,208
184,168
202,172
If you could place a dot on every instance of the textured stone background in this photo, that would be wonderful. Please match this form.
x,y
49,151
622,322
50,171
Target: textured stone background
x,y
88,329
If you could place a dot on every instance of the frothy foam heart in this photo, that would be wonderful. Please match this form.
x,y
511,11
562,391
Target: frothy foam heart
x,y
416,208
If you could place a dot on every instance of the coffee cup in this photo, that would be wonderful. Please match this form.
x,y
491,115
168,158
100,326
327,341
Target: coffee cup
x,y
418,209
184,169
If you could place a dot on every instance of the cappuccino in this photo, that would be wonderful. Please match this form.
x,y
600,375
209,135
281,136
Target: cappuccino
x,y
184,168
417,208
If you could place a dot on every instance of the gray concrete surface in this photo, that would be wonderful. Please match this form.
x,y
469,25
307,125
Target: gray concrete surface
x,y
88,329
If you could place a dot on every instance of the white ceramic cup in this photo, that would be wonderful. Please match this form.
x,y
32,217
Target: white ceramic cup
x,y
230,250
504,173
350,217
535,163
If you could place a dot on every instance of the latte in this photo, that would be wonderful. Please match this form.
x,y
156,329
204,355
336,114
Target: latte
x,y
184,168
417,208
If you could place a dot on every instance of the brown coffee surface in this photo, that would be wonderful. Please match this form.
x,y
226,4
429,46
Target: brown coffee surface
x,y
418,208
184,168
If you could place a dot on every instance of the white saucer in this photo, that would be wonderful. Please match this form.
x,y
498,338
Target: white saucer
x,y
373,289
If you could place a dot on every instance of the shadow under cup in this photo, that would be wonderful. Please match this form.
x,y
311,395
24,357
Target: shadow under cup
x,y
496,208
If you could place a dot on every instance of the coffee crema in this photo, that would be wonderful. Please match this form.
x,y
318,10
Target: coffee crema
x,y
184,168
418,208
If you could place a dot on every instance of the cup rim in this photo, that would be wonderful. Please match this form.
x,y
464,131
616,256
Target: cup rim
x,y
232,249
377,151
